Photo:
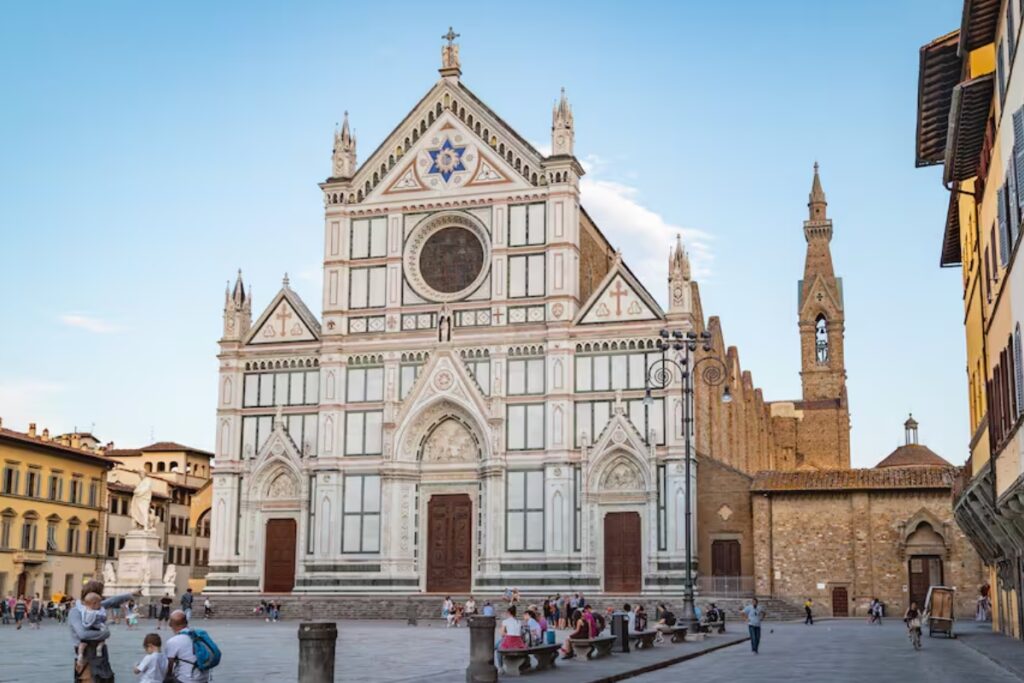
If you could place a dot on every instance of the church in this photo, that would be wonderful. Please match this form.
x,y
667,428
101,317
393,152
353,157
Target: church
x,y
468,411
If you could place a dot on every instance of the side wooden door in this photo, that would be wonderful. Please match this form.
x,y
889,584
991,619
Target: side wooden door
x,y
450,544
622,553
279,556
840,602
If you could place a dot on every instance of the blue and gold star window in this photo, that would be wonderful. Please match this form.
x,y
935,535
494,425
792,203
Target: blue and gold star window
x,y
446,159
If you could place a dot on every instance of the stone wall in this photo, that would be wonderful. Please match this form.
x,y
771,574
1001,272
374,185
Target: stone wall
x,y
723,512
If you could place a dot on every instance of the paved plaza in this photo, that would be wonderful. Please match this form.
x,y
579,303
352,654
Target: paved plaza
x,y
379,651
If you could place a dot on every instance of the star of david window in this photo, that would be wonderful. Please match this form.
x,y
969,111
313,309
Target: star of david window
x,y
446,159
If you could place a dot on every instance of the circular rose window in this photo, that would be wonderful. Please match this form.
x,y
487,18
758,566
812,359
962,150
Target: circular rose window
x,y
447,257
451,259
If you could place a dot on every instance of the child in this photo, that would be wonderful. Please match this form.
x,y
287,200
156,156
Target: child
x,y
153,666
132,615
94,618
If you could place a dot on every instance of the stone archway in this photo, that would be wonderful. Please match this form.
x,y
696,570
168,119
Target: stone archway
x,y
450,440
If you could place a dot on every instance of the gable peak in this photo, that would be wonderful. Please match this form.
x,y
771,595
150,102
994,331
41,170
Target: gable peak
x,y
450,65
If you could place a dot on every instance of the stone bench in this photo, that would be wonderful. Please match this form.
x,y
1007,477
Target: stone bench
x,y
712,626
642,640
601,646
517,662
678,633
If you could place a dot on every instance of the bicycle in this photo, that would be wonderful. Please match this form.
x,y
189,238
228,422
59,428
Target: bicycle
x,y
914,632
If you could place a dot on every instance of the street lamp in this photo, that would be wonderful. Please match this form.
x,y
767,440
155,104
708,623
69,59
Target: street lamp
x,y
659,376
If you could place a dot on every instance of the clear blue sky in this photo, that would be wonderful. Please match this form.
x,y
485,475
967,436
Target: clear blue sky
x,y
147,150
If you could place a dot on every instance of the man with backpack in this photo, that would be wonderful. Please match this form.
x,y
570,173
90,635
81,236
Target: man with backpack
x,y
191,652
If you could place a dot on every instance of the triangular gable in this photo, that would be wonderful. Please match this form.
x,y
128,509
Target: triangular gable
x,y
285,320
449,103
619,433
820,296
448,157
443,376
619,298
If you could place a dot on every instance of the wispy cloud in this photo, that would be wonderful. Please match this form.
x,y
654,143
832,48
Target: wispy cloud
x,y
88,323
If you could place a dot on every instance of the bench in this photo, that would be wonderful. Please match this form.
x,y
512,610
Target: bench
x,y
678,633
642,640
601,646
517,662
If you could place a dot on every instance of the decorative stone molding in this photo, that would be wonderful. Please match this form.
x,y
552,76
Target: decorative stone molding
x,y
422,234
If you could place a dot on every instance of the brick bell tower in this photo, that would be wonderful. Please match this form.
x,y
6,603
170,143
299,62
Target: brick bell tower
x,y
824,431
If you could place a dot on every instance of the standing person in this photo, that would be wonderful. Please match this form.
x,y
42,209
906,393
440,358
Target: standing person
x,y
153,666
754,613
469,609
5,617
809,619
79,632
131,616
165,610
35,612
186,603
19,611
448,611
207,608
183,664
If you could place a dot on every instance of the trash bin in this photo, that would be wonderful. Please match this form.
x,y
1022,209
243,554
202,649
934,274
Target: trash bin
x,y
549,637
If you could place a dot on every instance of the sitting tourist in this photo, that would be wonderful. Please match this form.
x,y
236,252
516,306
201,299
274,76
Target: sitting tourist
x,y
511,634
534,633
581,631
666,617
640,619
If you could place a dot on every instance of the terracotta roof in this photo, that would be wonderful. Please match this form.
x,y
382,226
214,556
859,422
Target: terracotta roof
x,y
111,452
856,479
913,455
127,488
84,455
171,446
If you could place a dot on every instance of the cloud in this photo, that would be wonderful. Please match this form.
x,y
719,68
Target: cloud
x,y
88,323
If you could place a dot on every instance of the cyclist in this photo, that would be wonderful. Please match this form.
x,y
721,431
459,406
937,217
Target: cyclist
x,y
912,618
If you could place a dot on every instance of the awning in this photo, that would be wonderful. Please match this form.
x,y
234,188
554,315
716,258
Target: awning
x,y
968,114
938,73
951,236
978,24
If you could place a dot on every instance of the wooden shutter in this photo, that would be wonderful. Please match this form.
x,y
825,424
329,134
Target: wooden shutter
x,y
1012,222
1004,254
1018,364
1018,154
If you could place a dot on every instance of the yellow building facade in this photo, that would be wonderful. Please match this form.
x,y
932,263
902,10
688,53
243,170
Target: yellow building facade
x,y
52,513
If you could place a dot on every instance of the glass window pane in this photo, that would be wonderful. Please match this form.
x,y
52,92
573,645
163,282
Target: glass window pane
x,y
379,237
583,370
636,371
313,387
294,426
516,427
535,378
536,234
534,531
583,422
377,287
515,531
354,433
516,377
516,494
351,535
353,493
657,418
248,437
619,372
375,384
280,388
601,373
295,388
407,379
252,391
371,533
601,410
309,434
373,432
264,426
536,273
517,276
360,239
535,426
482,371
358,287
535,489
266,390
516,225
371,493
356,384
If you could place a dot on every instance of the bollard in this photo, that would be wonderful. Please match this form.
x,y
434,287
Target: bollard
x,y
481,667
317,640
412,613
620,629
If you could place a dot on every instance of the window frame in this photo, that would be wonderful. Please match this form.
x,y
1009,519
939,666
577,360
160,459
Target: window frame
x,y
363,452
369,304
528,389
526,225
371,224
509,407
526,510
526,275
362,513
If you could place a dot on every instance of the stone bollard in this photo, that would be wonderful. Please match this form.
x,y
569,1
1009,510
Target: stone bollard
x,y
412,613
481,667
620,629
317,640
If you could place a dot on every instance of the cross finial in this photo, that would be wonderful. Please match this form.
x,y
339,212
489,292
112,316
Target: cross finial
x,y
284,280
450,36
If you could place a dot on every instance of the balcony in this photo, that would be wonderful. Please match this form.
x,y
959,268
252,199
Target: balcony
x,y
27,557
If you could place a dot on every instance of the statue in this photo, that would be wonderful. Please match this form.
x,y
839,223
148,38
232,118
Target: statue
x,y
170,574
109,576
147,576
142,496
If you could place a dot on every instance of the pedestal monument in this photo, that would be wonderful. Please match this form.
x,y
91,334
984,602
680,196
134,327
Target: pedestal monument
x,y
140,563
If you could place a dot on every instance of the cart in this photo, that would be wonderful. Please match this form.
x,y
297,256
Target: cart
x,y
939,606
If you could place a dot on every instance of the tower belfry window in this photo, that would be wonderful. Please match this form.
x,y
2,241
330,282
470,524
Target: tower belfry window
x,y
821,339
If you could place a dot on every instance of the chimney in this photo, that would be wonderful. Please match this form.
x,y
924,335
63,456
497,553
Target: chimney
x,y
76,441
32,430
46,434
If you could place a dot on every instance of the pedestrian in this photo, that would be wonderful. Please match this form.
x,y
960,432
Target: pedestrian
x,y
19,611
207,608
448,611
5,617
488,610
754,613
131,616
191,653
469,609
186,603
153,666
97,667
165,610
35,612
809,620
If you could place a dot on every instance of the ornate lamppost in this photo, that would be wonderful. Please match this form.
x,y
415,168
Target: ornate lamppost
x,y
659,376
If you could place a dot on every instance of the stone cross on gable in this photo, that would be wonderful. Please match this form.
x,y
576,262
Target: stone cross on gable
x,y
450,52
450,36
283,315
618,293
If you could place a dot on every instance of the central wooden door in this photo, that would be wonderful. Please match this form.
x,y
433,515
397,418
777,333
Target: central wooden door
x,y
279,557
840,602
622,553
450,544
925,572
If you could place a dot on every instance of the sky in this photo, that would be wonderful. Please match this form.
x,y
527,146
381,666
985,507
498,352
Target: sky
x,y
149,150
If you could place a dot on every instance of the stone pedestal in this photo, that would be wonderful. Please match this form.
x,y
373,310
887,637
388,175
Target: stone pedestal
x,y
140,566
317,642
481,667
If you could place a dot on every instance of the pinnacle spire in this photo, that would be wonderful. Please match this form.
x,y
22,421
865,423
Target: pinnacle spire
x,y
450,65
816,202
562,127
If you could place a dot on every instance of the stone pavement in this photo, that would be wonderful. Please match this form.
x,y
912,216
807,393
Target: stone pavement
x,y
1006,652
840,650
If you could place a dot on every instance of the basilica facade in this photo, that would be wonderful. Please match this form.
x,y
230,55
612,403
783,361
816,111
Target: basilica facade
x,y
467,412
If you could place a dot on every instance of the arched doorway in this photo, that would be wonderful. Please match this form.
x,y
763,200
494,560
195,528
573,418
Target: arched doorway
x,y
924,547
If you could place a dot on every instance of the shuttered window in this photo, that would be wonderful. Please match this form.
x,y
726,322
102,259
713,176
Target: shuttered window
x,y
1018,364
1004,254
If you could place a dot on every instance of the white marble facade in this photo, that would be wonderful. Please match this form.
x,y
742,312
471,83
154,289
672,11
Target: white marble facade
x,y
459,383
